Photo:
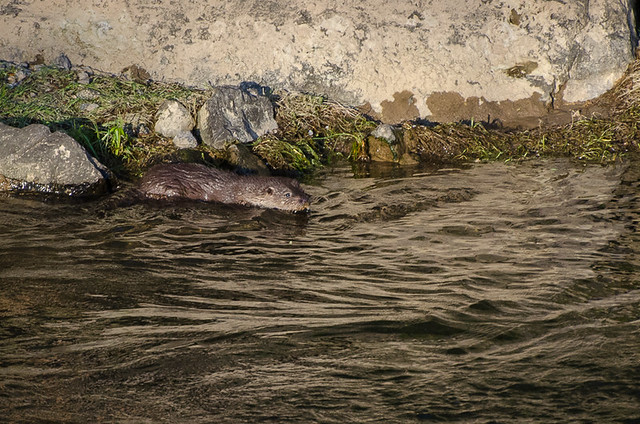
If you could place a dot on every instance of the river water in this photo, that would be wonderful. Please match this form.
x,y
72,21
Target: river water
x,y
486,293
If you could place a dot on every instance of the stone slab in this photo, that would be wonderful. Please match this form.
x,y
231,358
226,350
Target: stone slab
x,y
435,59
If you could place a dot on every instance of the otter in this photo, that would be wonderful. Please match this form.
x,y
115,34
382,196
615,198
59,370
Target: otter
x,y
191,181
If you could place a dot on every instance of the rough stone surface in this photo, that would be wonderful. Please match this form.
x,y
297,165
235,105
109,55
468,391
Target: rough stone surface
x,y
88,94
380,150
435,59
185,140
63,62
385,132
48,161
172,119
234,114
245,161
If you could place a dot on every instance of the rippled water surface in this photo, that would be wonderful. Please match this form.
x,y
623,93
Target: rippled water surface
x,y
490,293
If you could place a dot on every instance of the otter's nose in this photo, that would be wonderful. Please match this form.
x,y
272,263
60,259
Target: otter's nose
x,y
305,204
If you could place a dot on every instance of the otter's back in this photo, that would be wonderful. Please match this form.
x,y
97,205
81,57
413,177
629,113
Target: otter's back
x,y
188,181
199,182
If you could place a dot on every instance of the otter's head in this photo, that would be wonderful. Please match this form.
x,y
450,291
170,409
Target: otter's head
x,y
280,193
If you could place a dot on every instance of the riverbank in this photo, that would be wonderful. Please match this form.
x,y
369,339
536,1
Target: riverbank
x,y
113,116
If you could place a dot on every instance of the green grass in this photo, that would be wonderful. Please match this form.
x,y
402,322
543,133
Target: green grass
x,y
312,130
54,97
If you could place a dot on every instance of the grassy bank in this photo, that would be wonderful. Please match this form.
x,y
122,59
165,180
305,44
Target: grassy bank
x,y
113,118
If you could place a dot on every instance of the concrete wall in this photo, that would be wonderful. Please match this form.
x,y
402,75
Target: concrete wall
x,y
440,59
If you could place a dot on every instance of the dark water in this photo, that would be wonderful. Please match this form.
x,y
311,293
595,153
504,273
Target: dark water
x,y
495,293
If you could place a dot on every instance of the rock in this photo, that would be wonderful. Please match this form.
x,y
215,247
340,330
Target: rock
x,y
245,161
62,62
385,132
84,73
35,159
136,124
380,150
172,119
17,76
407,159
185,140
16,72
235,114
87,94
88,107
444,61
84,77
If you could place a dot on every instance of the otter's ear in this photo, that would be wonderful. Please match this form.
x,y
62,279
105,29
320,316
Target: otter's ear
x,y
269,190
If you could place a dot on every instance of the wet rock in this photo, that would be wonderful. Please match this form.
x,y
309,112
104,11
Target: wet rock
x,y
245,161
385,146
35,159
185,140
172,119
380,150
233,113
407,159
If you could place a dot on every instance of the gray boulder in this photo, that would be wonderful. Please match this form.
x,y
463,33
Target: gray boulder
x,y
235,114
35,159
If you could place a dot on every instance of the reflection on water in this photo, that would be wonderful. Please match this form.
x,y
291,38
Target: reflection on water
x,y
505,293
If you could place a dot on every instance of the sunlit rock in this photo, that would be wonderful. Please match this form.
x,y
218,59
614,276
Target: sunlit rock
x,y
35,159
233,113
172,119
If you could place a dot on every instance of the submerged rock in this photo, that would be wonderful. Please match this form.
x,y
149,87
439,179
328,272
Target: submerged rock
x,y
235,114
33,159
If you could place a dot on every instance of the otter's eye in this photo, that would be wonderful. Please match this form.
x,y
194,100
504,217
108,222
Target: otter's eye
x,y
287,195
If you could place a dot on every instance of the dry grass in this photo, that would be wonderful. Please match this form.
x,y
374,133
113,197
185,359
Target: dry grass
x,y
312,130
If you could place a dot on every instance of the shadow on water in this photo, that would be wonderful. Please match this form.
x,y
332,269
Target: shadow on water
x,y
489,293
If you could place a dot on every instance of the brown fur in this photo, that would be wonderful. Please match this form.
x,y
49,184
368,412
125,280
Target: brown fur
x,y
199,182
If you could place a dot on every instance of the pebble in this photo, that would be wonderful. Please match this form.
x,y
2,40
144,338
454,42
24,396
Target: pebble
x,y
185,140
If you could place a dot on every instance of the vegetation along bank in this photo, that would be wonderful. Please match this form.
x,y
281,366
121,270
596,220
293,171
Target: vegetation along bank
x,y
113,117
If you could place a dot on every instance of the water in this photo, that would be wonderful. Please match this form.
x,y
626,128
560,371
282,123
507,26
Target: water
x,y
489,293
